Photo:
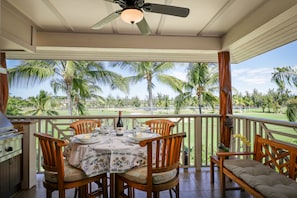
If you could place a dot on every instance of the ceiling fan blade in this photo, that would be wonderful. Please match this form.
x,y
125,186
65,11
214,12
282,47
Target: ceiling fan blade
x,y
122,3
107,19
144,27
166,9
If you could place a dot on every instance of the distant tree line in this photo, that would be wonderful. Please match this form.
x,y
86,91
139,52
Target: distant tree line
x,y
81,82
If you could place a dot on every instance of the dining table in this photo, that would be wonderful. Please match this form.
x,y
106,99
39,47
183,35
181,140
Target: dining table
x,y
97,153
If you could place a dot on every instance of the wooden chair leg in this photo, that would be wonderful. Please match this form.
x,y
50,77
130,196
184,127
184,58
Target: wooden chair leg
x,y
83,191
130,192
156,194
213,160
48,193
62,193
75,192
104,188
177,191
211,171
170,192
90,188
222,183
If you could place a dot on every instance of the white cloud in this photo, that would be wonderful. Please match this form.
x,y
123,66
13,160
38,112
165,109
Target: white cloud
x,y
180,75
250,78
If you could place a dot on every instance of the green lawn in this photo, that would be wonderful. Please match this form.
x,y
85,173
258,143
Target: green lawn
x,y
259,114
129,111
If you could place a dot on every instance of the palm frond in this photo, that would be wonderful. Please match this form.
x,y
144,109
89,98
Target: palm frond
x,y
31,73
292,110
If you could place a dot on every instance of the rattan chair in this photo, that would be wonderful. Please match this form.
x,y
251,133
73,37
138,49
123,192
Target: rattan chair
x,y
161,172
59,175
160,126
85,126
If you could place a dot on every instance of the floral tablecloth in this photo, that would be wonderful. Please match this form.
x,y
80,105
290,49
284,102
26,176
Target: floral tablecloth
x,y
111,153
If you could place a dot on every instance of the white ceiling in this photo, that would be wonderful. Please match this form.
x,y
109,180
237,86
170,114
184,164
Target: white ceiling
x,y
61,29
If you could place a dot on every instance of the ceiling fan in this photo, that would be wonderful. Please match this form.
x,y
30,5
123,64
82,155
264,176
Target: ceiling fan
x,y
132,12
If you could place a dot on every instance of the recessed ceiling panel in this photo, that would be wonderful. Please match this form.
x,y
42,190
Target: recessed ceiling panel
x,y
200,15
230,14
40,13
233,22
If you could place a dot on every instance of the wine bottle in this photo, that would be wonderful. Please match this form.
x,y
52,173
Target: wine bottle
x,y
120,126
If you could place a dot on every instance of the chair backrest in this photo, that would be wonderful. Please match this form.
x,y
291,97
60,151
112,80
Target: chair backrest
x,y
85,126
160,126
163,153
52,150
53,164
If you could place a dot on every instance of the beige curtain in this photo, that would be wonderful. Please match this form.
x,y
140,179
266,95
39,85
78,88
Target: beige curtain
x,y
3,84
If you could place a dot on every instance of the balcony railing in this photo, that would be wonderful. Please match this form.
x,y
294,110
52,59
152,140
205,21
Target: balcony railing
x,y
203,132
272,129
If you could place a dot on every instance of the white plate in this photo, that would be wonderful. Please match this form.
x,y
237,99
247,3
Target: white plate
x,y
143,136
103,130
143,129
91,141
87,138
97,129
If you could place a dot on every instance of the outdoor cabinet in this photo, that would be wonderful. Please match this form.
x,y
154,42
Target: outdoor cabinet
x,y
10,176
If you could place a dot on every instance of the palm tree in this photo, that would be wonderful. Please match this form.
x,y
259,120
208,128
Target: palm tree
x,y
78,79
150,71
181,100
292,110
14,106
238,101
202,81
41,104
287,76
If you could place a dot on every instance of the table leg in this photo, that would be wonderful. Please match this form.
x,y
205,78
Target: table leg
x,y
112,185
119,188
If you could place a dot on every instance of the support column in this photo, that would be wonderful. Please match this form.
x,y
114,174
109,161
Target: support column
x,y
3,84
225,97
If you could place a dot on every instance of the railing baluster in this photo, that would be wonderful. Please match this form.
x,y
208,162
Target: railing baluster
x,y
203,132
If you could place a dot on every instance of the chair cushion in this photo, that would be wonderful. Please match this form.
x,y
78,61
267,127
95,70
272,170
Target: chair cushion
x,y
71,174
139,175
262,178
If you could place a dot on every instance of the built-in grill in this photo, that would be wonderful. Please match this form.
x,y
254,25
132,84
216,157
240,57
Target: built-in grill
x,y
10,158
10,139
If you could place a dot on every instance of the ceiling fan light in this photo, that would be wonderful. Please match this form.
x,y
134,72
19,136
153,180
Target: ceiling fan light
x,y
132,15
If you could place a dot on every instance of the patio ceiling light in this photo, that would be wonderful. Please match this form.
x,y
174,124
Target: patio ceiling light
x,y
132,15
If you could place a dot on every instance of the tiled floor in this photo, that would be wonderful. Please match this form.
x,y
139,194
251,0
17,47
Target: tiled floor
x,y
192,184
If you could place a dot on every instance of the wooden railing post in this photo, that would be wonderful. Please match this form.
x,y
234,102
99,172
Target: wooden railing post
x,y
198,142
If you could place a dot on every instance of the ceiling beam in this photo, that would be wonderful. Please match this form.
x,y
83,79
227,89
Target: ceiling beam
x,y
123,47
107,41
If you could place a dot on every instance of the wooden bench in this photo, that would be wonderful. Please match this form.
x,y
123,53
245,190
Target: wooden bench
x,y
271,172
214,160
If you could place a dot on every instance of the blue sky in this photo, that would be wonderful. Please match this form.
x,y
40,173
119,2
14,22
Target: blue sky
x,y
256,72
246,76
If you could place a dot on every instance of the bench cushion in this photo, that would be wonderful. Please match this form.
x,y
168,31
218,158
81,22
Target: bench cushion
x,y
262,178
